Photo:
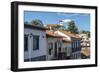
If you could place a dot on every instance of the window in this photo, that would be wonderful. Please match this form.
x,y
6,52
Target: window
x,y
67,50
50,48
59,43
75,44
78,43
87,38
35,42
25,42
72,46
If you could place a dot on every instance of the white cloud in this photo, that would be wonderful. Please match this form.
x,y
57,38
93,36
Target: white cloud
x,y
66,20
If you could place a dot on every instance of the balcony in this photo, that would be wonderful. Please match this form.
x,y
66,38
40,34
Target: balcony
x,y
60,56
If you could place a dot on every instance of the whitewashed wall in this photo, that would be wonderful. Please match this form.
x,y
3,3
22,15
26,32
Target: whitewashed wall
x,y
42,43
62,34
53,40
69,49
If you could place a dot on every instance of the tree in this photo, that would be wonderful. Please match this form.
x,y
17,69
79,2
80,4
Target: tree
x,y
56,27
72,27
26,22
37,22
86,32
83,31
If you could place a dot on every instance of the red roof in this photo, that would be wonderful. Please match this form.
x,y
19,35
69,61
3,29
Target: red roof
x,y
86,51
50,33
70,34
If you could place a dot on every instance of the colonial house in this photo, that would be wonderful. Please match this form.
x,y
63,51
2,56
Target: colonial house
x,y
85,41
34,43
54,45
42,44
59,48
85,44
67,47
75,44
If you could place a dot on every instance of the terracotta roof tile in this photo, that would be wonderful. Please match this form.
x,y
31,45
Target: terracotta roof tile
x,y
86,51
51,33
70,34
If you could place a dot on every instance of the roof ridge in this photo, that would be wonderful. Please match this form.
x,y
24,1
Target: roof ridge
x,y
69,34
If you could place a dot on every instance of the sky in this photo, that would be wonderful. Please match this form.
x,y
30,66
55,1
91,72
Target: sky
x,y
82,20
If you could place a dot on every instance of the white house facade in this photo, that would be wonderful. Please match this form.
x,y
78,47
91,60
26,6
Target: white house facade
x,y
67,48
35,48
85,45
41,44
75,50
54,45
85,41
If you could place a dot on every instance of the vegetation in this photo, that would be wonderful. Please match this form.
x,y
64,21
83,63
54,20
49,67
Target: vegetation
x,y
86,32
37,22
56,27
72,27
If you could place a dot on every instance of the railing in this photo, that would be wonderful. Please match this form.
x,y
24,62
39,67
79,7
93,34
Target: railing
x,y
61,55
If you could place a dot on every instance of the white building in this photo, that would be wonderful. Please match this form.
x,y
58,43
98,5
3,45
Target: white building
x,y
35,48
75,50
67,47
85,44
54,45
85,41
41,44
59,47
